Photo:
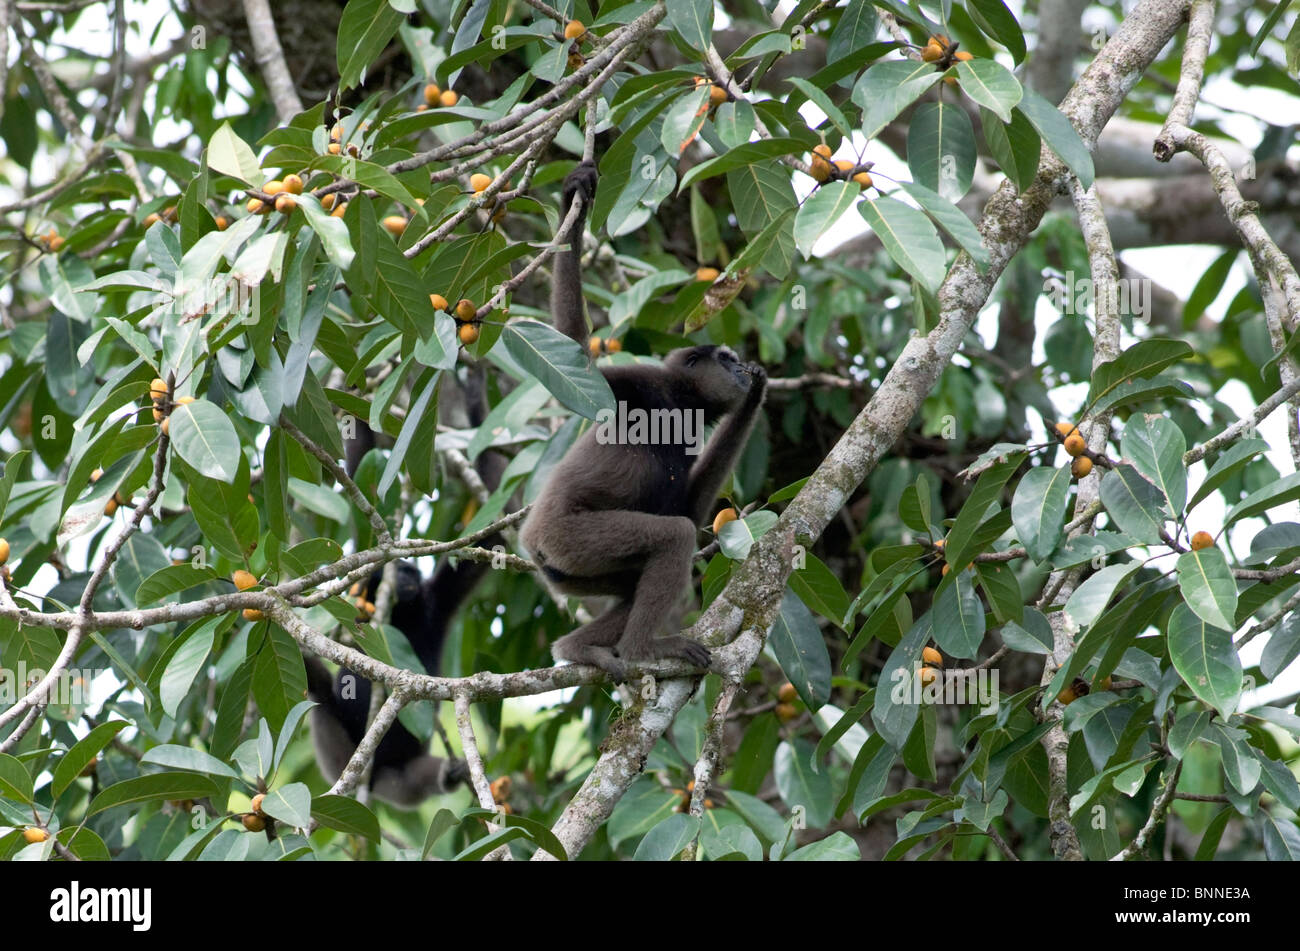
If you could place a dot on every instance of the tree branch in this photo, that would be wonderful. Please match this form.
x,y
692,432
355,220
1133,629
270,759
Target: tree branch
x,y
270,59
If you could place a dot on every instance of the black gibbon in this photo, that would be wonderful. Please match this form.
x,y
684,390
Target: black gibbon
x,y
404,773
620,520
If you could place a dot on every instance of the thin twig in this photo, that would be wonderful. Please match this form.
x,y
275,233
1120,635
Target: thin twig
x,y
1200,27
341,476
1158,809
362,758
477,773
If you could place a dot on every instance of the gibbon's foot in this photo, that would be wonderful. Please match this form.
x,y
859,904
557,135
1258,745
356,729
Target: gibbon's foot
x,y
575,649
581,179
675,647
456,772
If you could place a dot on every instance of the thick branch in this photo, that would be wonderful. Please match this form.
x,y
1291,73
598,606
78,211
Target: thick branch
x,y
270,59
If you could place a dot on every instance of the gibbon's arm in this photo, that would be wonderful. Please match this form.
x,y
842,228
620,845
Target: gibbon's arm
x,y
566,280
724,448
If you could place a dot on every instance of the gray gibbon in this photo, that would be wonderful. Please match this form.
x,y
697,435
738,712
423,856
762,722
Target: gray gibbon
x,y
619,520
404,772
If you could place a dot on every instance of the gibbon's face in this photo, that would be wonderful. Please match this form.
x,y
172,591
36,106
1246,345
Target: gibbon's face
x,y
406,588
716,373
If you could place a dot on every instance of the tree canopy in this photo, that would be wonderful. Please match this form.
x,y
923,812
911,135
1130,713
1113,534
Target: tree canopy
x,y
1006,534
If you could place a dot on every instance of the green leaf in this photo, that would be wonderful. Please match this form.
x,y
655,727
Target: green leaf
x,y
1208,287
1266,28
1083,548
1277,777
991,85
1032,636
998,22
368,175
538,833
683,121
959,616
836,847
231,155
1059,134
333,233
82,755
1135,392
731,842
348,816
1281,837
171,580
1208,586
184,757
1015,146
279,679
1136,506
740,157
364,30
735,122
1002,589
489,843
205,438
1282,648
959,549
693,21
1089,600
667,839
414,446
643,807
627,305
1230,462
909,238
1282,491
800,784
856,28
13,465
818,588
1213,834
1155,446
442,821
400,297
762,818
801,651
737,537
819,213
150,788
941,151
560,365
835,723
290,804
185,665
1038,509
15,781
1206,659
889,87
894,713
823,102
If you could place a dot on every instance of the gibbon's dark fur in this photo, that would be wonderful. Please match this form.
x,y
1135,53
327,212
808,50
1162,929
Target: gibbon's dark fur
x,y
404,773
618,519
